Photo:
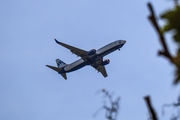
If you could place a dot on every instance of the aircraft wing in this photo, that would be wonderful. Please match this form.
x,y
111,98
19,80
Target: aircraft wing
x,y
100,68
77,51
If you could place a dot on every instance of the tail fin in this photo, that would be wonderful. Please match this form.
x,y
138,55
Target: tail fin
x,y
60,63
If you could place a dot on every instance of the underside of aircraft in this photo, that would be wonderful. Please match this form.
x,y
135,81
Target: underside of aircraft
x,y
93,57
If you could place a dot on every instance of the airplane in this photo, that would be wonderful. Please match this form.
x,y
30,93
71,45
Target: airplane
x,y
93,57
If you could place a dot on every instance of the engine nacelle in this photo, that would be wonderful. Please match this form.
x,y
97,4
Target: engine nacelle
x,y
105,62
92,52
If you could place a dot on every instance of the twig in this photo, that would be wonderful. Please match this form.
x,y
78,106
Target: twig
x,y
151,110
165,52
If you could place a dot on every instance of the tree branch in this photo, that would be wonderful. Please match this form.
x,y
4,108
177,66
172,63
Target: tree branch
x,y
151,110
165,52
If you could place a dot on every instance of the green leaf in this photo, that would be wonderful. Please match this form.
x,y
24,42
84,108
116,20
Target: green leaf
x,y
173,20
167,27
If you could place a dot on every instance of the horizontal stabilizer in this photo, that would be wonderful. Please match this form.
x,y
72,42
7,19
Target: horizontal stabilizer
x,y
64,76
54,68
58,70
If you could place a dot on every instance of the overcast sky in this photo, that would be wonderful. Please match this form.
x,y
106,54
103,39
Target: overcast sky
x,y
31,91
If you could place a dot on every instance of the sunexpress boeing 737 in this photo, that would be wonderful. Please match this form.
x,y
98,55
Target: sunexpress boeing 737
x,y
92,57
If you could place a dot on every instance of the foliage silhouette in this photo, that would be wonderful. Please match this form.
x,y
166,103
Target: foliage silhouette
x,y
173,23
112,111
175,105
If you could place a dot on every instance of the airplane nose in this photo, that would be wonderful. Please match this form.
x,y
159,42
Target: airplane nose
x,y
123,41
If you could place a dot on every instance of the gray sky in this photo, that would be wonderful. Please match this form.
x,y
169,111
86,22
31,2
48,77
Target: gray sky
x,y
31,91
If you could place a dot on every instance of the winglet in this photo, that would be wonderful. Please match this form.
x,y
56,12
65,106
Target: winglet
x,y
56,40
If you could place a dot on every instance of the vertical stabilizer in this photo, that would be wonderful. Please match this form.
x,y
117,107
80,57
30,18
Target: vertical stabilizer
x,y
60,63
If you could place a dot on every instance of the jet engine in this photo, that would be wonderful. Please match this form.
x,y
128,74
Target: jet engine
x,y
92,52
105,62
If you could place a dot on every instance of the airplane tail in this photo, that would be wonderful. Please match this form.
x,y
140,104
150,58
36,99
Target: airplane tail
x,y
60,63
